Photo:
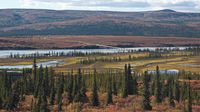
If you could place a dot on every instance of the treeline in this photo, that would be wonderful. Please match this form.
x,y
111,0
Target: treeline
x,y
49,88
53,54
153,53
147,55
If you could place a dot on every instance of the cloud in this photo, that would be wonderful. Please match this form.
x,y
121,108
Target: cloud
x,y
120,5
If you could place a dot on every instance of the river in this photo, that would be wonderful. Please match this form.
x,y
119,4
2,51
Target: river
x,y
7,53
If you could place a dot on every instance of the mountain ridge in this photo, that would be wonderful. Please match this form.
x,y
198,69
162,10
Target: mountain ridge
x,y
166,22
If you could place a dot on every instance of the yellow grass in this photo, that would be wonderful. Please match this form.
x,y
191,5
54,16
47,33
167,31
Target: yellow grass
x,y
176,62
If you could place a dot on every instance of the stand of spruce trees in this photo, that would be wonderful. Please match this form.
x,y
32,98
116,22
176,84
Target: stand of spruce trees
x,y
48,88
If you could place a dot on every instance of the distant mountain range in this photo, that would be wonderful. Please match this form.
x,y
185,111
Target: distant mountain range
x,y
169,23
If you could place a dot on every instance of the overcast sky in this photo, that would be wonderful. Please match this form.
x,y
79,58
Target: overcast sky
x,y
110,5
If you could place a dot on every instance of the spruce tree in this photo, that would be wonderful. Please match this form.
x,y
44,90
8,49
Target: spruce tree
x,y
60,92
75,87
171,97
158,86
177,91
146,94
60,88
43,104
153,88
1,102
52,95
95,99
70,88
130,81
39,81
38,105
52,89
83,91
80,94
60,106
34,70
125,83
135,84
109,92
13,99
114,86
189,98
166,88
46,80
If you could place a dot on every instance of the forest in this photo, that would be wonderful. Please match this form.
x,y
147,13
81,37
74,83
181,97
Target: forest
x,y
83,89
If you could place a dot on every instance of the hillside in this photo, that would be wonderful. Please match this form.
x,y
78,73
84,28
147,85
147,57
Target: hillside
x,y
23,22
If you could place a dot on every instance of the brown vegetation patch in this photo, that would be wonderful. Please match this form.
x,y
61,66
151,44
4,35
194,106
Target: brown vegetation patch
x,y
49,42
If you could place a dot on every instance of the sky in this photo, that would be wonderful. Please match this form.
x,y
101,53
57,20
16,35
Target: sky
x,y
106,5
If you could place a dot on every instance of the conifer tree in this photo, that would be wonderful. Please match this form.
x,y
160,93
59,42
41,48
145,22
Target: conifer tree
x,y
70,88
95,99
51,85
171,97
83,91
39,81
43,105
166,88
75,86
34,69
109,92
13,99
153,87
135,89
189,98
158,86
38,105
60,105
177,91
52,95
114,86
46,80
60,88
59,96
183,91
1,102
80,95
146,94
125,83
130,81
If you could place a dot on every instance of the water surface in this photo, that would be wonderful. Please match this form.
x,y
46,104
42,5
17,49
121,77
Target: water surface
x,y
7,53
44,64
